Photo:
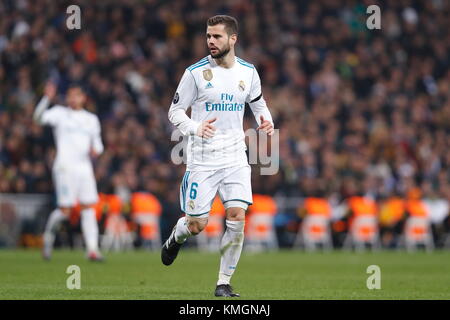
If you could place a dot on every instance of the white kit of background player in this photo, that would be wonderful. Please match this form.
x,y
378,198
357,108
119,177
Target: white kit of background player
x,y
77,138
216,88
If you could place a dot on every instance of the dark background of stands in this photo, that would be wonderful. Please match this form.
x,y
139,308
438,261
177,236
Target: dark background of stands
x,y
359,111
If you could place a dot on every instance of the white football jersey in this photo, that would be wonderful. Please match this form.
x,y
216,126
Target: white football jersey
x,y
75,133
216,92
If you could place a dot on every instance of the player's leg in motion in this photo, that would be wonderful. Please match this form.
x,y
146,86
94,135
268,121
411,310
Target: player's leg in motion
x,y
185,227
230,249
54,221
66,201
197,191
88,196
89,227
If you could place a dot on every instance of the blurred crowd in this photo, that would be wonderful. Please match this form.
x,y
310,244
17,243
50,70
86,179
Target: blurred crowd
x,y
359,111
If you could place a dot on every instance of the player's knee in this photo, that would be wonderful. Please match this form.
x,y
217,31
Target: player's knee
x,y
196,225
236,214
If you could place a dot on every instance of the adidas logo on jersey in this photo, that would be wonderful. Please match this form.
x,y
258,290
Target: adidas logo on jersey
x,y
209,85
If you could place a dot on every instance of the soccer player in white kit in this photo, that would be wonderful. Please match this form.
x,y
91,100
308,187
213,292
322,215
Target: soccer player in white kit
x,y
216,88
77,139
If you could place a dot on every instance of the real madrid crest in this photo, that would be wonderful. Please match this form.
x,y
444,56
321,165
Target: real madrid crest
x,y
241,85
191,205
207,74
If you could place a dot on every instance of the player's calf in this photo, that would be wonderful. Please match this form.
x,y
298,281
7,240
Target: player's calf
x,y
185,227
54,221
196,225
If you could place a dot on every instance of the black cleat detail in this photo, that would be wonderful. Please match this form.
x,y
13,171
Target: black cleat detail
x,y
170,249
225,290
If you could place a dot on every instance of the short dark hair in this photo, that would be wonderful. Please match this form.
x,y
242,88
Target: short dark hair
x,y
77,85
230,23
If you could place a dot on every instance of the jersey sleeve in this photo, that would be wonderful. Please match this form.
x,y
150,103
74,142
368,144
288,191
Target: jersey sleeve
x,y
51,116
97,144
256,100
184,97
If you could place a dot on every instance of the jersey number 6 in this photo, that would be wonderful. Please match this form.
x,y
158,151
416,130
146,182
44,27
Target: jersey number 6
x,y
193,193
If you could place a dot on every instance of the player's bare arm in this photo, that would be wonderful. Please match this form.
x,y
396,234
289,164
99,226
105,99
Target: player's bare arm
x,y
49,95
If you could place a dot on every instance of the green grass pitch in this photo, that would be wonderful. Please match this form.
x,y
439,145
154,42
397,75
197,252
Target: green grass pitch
x,y
274,275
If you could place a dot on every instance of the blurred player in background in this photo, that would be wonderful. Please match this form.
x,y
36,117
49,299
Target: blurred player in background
x,y
77,139
216,88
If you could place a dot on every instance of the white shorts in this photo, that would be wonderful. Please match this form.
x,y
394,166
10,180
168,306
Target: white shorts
x,y
199,188
74,185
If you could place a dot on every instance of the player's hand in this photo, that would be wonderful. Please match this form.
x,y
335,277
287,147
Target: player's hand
x,y
206,129
93,154
50,90
266,126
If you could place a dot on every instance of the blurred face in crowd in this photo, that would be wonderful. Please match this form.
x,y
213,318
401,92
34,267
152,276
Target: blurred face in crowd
x,y
219,41
76,98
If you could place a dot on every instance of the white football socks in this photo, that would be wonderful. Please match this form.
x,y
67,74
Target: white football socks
x,y
53,222
182,231
230,249
89,227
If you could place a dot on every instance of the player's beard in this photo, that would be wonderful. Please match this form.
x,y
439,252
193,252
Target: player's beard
x,y
221,53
